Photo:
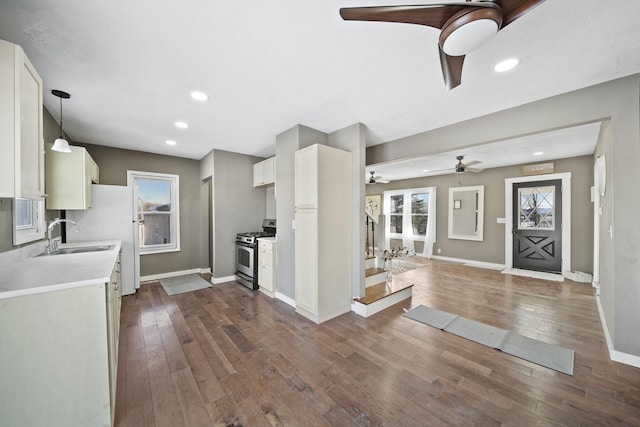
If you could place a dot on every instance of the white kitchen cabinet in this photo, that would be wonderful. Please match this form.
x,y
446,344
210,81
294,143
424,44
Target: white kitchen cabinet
x,y
21,140
323,232
114,303
69,178
264,172
267,265
59,356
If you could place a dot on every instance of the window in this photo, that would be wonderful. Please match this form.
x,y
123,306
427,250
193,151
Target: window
x,y
415,219
158,211
28,220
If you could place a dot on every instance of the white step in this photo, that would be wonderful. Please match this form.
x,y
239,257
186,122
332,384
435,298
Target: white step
x,y
373,276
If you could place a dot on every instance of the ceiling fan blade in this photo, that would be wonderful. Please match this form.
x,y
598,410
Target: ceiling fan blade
x,y
514,9
434,15
474,170
471,163
451,68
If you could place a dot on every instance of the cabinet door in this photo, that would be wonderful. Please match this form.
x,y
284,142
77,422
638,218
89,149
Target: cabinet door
x,y
31,142
264,172
258,174
68,179
306,178
306,260
22,162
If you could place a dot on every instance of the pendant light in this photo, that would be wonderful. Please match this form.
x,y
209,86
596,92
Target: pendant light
x,y
61,144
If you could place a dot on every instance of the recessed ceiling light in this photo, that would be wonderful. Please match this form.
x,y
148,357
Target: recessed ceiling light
x,y
426,170
170,142
181,125
506,65
199,96
538,153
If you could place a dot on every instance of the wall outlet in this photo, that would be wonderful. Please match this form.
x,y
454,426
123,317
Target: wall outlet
x,y
439,250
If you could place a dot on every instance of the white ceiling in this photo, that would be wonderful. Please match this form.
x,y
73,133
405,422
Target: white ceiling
x,y
269,65
553,145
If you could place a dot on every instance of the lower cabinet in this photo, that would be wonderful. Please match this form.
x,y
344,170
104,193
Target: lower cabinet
x,y
267,266
58,356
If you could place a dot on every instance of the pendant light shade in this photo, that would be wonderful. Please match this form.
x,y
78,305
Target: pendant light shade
x,y
61,144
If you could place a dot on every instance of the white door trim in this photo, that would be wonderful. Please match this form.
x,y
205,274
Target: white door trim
x,y
566,215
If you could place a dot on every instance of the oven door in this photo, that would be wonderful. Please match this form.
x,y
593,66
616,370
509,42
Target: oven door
x,y
244,259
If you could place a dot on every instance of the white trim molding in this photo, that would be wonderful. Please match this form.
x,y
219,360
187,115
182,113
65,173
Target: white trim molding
x,y
615,355
566,215
285,299
470,262
217,280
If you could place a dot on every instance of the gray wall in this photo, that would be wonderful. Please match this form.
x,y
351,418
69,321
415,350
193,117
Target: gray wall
x,y
237,206
491,249
287,143
617,100
114,163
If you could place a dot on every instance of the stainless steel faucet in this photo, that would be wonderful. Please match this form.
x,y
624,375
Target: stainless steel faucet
x,y
53,244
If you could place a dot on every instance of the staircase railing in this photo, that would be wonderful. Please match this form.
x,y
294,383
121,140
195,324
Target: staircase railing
x,y
370,235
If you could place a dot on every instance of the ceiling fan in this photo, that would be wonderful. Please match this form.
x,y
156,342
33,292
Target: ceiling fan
x,y
464,26
376,179
460,167
464,167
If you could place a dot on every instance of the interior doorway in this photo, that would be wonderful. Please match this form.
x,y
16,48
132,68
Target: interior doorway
x,y
536,244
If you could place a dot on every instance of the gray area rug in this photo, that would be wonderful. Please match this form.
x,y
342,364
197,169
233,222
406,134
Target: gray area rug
x,y
539,352
400,265
182,284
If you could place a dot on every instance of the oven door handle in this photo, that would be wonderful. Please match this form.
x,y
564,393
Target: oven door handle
x,y
245,245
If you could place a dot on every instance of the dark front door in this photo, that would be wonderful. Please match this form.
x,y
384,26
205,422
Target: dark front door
x,y
537,225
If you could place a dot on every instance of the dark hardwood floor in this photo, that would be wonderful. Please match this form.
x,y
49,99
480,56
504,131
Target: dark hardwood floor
x,y
232,357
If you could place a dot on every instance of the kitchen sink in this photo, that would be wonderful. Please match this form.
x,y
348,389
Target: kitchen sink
x,y
79,249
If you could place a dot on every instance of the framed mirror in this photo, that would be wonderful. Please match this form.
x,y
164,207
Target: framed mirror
x,y
466,212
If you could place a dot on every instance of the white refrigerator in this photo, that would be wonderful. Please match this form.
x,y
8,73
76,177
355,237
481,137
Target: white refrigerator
x,y
112,217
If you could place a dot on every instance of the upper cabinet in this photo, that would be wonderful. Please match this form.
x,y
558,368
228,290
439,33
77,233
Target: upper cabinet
x,y
264,173
69,178
21,139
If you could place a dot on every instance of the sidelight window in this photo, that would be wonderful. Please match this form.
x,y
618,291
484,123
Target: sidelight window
x,y
158,211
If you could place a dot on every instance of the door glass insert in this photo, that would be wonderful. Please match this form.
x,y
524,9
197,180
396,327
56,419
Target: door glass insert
x,y
536,208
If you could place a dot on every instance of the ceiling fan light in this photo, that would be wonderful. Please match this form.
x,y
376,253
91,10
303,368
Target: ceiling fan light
x,y
61,145
468,30
469,37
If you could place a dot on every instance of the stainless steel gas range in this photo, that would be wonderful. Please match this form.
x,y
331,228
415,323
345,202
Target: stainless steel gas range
x,y
247,253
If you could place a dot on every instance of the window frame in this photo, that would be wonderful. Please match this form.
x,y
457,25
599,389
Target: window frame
x,y
34,231
174,213
407,209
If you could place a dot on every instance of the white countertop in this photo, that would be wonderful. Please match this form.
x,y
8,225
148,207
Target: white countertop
x,y
55,272
268,239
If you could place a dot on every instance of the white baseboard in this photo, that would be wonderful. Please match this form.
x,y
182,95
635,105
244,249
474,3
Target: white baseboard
x,y
286,299
471,263
217,280
156,277
534,274
615,355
